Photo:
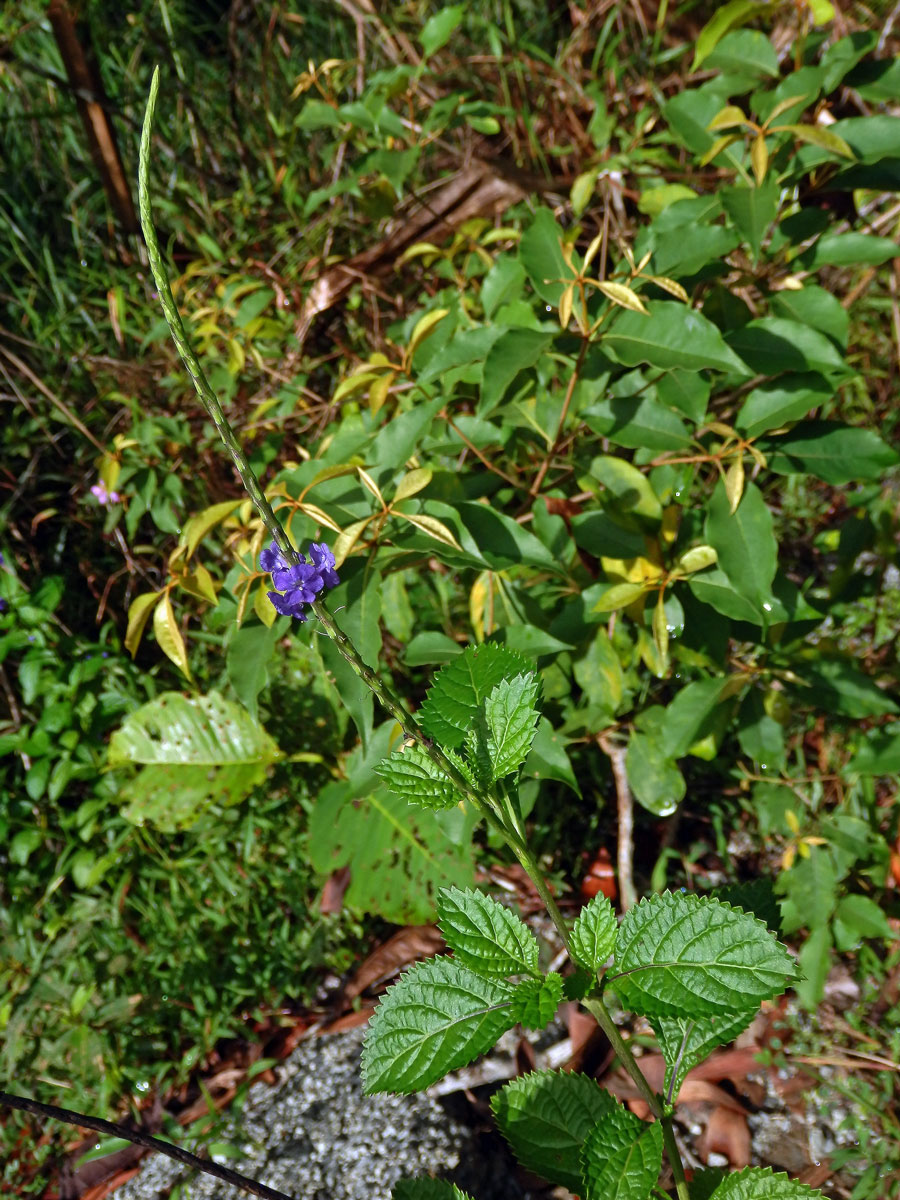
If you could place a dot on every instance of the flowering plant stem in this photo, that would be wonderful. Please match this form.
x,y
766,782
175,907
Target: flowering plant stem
x,y
500,811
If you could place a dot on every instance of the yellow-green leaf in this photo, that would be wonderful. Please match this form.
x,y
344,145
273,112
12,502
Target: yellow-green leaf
x,y
759,157
354,383
734,482
168,635
661,628
370,483
263,606
138,614
317,514
582,191
379,391
671,286
717,147
817,135
424,326
727,118
347,539
200,583
412,482
197,527
622,295
696,559
434,528
620,595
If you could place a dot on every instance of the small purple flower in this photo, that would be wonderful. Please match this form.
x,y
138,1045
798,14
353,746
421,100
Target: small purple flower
x,y
103,496
298,584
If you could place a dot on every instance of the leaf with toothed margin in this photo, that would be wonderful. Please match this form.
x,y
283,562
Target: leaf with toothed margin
x,y
546,1116
485,935
678,954
593,936
412,775
686,1041
762,1183
461,686
536,1000
438,1017
621,1157
427,1189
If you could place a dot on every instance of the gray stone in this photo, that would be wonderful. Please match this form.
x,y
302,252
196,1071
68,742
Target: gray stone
x,y
315,1136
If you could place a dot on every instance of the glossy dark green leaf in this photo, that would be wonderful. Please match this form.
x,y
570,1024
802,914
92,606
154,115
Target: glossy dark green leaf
x,y
815,307
751,210
771,345
830,450
745,543
673,335
546,1116
836,685
541,255
849,250
512,352
637,422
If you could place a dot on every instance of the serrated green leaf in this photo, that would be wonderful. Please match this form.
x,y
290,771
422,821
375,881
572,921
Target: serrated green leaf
x,y
427,1189
511,715
593,936
762,1183
438,1017
411,775
486,935
755,896
460,688
546,1116
536,1000
621,1157
678,954
686,1041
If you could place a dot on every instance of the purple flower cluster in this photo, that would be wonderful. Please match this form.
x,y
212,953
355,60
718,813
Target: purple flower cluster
x,y
300,583
103,496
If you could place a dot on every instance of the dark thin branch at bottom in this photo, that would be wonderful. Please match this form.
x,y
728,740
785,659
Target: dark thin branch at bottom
x,y
143,1139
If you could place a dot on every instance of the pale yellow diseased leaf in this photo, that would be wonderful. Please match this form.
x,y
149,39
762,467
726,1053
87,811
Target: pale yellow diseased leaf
x,y
477,604
624,296
592,251
263,606
168,634
661,628
721,428
370,483
138,615
696,559
434,528
582,190
200,583
758,457
319,515
671,286
198,526
734,482
424,326
565,305
759,157
412,482
236,357
347,539
727,118
379,392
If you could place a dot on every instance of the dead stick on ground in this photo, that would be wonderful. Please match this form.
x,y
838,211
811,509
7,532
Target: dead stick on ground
x,y
625,805
111,1129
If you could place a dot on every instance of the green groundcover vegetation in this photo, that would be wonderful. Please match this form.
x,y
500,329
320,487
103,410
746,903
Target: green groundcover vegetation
x,y
575,334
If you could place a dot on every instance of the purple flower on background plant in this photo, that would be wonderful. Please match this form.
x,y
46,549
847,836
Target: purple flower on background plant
x,y
103,496
298,584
